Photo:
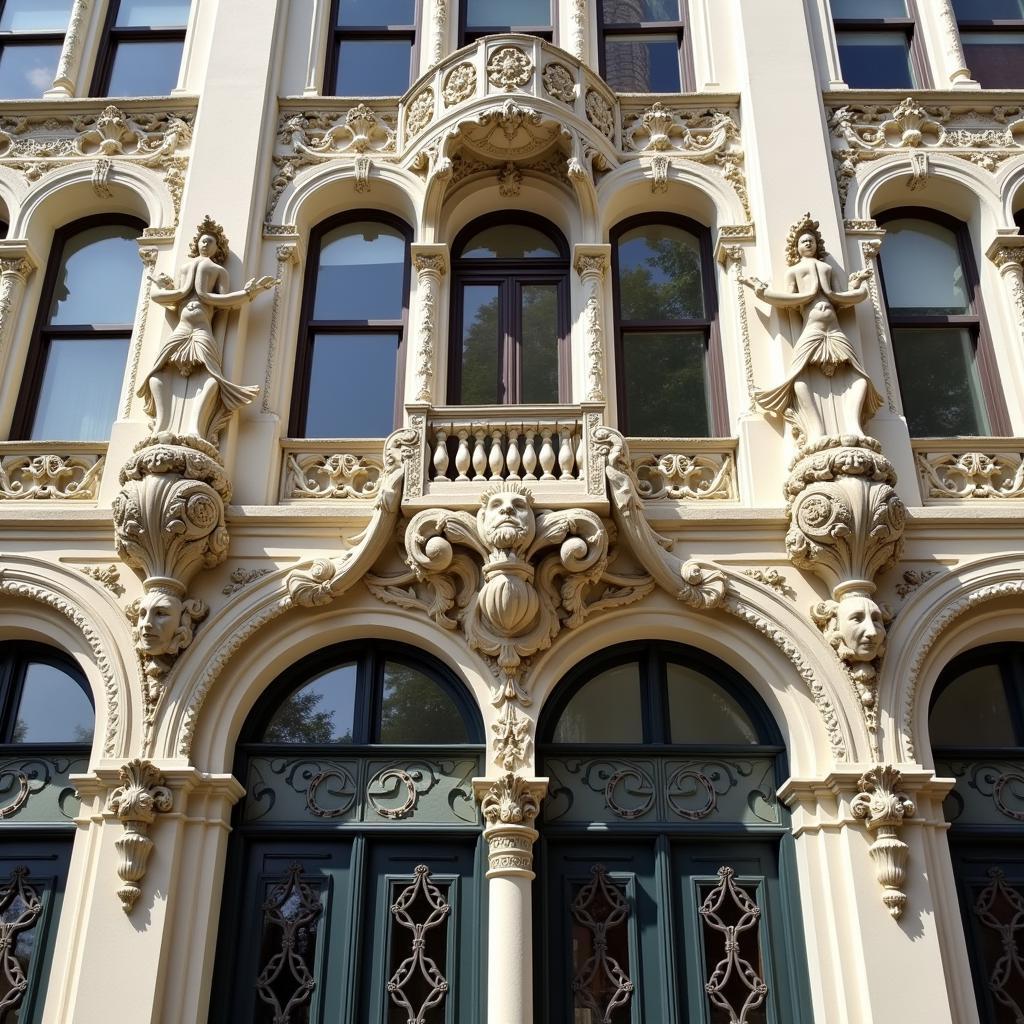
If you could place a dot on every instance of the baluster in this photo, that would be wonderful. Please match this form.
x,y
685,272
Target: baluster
x,y
529,455
581,453
512,460
441,456
496,458
547,455
566,457
462,458
479,458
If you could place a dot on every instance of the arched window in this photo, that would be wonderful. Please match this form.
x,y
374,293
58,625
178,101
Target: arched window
x,y
46,726
357,765
944,358
141,49
82,333
976,723
510,316
348,370
660,832
669,373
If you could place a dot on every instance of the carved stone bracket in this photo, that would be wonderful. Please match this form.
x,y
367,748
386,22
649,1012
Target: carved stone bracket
x,y
136,803
510,806
883,808
508,598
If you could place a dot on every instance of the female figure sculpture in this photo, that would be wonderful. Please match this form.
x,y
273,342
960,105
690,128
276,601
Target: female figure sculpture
x,y
828,393
186,393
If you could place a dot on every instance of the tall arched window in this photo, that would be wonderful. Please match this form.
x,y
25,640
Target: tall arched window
x,y
348,367
46,726
976,723
669,373
359,825
948,380
82,333
510,316
660,834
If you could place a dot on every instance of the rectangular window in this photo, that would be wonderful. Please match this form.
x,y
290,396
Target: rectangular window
x,y
143,44
487,17
31,38
992,34
642,45
876,41
372,49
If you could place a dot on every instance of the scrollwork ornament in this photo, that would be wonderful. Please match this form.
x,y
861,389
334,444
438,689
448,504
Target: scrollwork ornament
x,y
508,67
883,807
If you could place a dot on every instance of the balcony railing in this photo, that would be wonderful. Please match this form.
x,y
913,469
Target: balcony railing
x,y
965,468
54,470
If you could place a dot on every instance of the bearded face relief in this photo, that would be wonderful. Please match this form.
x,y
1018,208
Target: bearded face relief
x,y
157,619
506,520
861,628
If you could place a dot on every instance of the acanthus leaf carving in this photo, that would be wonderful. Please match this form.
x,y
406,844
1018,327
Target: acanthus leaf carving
x,y
136,803
883,807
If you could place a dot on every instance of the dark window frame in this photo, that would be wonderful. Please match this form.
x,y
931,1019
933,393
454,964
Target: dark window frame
x,y
510,276
718,411
654,657
309,328
33,38
469,35
918,57
975,322
995,25
113,36
370,657
43,333
368,33
606,30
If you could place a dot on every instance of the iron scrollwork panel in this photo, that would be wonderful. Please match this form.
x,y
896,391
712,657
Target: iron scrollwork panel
x,y
600,984
287,977
417,985
20,909
734,983
38,789
999,910
989,792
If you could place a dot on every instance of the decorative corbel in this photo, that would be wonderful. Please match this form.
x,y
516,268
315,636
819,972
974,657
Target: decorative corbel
x,y
136,803
883,808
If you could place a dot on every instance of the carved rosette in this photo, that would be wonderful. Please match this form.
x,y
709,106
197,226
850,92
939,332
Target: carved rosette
x,y
883,808
136,803
510,806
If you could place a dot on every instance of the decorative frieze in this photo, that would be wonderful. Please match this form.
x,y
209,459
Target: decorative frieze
x,y
694,475
967,475
50,470
334,475
864,131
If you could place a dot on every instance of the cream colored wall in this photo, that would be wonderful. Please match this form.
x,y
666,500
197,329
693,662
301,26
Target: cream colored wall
x,y
769,62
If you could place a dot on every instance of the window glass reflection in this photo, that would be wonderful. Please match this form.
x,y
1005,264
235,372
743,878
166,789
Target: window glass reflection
x,y
507,13
416,709
53,708
322,711
604,710
35,15
510,242
145,68
376,12
27,70
922,268
539,343
152,13
98,281
660,274
701,711
481,344
361,274
373,67
642,63
865,9
658,368
988,10
875,60
996,58
630,12
972,711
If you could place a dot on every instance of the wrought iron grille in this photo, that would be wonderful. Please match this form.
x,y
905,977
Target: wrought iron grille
x,y
600,984
418,984
731,918
1000,909
20,907
290,917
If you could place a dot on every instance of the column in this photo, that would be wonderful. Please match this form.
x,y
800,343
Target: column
x,y
954,63
145,881
873,864
509,806
591,263
440,11
66,80
431,264
1008,255
15,267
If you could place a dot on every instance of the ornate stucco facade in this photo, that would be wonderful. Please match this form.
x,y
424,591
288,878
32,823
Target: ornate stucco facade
x,y
189,559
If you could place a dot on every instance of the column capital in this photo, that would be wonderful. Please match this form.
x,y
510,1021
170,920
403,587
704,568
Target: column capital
x,y
1007,252
510,805
591,259
429,258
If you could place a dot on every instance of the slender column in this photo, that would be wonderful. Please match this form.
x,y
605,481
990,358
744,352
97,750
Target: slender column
x,y
1010,261
14,272
431,263
510,805
64,84
438,31
953,59
580,30
591,264
315,56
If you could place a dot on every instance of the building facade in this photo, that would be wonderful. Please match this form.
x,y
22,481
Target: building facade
x,y
512,511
